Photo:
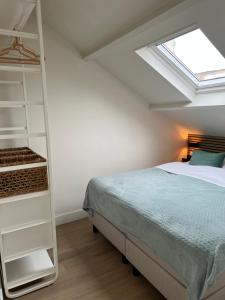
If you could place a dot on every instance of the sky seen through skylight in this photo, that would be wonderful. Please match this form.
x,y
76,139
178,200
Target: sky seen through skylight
x,y
198,54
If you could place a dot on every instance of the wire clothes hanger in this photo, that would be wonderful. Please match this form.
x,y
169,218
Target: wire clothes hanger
x,y
17,53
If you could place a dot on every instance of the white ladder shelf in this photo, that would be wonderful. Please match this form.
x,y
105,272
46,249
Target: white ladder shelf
x,y
28,248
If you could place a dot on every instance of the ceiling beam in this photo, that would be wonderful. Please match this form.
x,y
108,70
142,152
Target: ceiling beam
x,y
156,18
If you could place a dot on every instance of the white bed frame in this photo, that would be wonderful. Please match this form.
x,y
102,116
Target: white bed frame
x,y
156,271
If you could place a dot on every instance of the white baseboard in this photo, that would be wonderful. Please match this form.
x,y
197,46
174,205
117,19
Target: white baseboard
x,y
70,216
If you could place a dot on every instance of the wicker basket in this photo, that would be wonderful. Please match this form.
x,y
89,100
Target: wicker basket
x,y
22,181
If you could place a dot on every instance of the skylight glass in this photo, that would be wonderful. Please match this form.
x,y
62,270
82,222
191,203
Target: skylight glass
x,y
197,54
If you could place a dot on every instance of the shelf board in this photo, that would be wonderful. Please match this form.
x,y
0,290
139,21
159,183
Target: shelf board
x,y
24,226
11,104
21,34
20,69
29,268
12,129
16,104
22,167
23,197
21,136
10,82
19,255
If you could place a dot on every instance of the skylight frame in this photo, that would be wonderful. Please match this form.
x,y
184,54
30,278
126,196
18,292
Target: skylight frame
x,y
180,67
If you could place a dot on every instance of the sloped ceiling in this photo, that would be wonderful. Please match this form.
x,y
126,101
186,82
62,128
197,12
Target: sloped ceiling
x,y
14,13
109,31
205,120
119,57
90,24
101,30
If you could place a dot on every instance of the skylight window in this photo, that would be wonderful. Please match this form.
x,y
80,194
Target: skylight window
x,y
197,54
188,60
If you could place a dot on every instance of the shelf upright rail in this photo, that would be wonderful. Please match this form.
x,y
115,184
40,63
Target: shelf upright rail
x,y
45,99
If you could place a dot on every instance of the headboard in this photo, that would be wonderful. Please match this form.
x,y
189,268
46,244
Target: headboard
x,y
205,142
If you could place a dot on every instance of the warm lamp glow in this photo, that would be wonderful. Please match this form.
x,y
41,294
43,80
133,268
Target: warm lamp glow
x,y
182,153
182,132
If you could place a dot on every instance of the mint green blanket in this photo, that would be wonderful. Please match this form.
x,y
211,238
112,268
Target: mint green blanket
x,y
182,219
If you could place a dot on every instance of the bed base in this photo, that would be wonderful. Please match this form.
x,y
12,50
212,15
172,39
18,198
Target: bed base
x,y
143,261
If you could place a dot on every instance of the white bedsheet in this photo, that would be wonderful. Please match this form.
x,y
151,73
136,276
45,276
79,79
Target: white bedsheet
x,y
209,174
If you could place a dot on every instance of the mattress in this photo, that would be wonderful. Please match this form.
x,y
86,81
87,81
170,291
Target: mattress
x,y
179,217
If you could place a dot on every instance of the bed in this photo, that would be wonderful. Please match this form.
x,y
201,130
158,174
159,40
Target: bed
x,y
169,223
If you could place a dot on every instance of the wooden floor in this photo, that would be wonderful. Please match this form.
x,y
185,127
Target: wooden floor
x,y
90,268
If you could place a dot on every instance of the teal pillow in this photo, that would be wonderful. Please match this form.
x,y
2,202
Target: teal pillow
x,y
204,158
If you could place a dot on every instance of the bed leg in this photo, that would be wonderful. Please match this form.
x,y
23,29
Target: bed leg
x,y
124,260
94,229
135,271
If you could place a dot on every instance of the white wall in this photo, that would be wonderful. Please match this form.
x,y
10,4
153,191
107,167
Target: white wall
x,y
97,125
